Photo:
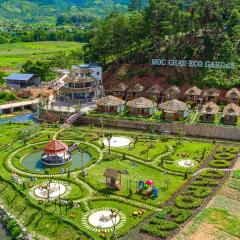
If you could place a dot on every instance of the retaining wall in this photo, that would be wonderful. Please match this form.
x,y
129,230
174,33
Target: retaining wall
x,y
197,130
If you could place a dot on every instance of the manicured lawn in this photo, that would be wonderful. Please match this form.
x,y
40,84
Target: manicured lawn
x,y
137,172
13,55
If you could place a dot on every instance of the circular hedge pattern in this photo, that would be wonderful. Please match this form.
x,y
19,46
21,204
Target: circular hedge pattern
x,y
220,164
200,192
187,202
212,173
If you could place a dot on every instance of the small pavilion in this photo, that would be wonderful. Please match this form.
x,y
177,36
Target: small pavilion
x,y
233,96
56,153
110,104
142,107
174,110
113,178
231,112
209,112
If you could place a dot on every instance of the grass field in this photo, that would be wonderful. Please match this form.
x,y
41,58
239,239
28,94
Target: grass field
x,y
13,55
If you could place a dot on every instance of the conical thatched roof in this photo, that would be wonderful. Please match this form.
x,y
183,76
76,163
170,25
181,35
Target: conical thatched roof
x,y
141,103
212,92
136,88
110,101
173,105
210,108
231,109
155,89
233,92
121,87
194,91
172,90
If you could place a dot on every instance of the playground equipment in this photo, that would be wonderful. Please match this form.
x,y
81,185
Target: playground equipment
x,y
148,188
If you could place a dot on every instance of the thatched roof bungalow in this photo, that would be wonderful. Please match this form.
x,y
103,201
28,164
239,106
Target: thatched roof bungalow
x,y
142,107
172,93
209,112
118,90
135,91
231,112
110,104
211,95
233,96
193,94
174,110
154,91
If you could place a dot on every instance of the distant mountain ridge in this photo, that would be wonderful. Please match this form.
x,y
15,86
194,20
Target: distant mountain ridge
x,y
46,11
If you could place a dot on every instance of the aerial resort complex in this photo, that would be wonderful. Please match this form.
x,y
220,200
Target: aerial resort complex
x,y
120,120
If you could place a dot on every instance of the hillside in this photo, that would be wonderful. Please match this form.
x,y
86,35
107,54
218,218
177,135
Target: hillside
x,y
46,11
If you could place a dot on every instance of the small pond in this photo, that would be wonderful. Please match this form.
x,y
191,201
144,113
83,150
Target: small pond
x,y
33,162
19,119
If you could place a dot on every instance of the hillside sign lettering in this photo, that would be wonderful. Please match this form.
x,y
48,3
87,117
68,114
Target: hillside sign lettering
x,y
193,63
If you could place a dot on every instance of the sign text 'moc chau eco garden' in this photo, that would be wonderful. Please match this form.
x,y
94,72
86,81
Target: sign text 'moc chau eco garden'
x,y
193,63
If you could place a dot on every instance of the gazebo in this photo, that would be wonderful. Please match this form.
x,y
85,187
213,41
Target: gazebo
x,y
113,178
156,90
233,96
193,94
110,104
56,153
174,110
172,93
211,95
142,107
231,112
209,112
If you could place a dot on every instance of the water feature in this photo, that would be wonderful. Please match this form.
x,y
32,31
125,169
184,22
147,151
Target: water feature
x,y
3,233
33,162
19,119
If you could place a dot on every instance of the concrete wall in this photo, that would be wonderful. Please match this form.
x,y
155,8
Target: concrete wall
x,y
198,130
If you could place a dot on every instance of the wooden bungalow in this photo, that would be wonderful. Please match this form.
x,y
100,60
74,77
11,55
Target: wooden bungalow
x,y
171,93
135,91
209,112
174,110
231,112
193,94
155,91
110,104
113,178
142,107
233,96
117,91
211,95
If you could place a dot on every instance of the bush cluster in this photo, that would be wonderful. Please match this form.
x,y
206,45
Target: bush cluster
x,y
219,163
212,173
152,229
202,181
199,191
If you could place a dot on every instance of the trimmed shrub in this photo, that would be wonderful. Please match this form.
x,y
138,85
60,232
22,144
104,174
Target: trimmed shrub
x,y
164,224
153,230
165,212
225,156
211,173
202,181
220,164
200,192
187,202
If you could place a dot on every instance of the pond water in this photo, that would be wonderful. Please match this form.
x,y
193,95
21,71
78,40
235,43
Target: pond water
x,y
33,162
19,119
3,233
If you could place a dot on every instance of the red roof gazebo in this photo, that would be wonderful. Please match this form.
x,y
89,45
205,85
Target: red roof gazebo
x,y
55,147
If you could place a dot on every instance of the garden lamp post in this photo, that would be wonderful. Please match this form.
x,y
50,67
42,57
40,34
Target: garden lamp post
x,y
114,222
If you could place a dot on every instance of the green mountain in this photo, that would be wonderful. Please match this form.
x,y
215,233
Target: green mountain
x,y
47,11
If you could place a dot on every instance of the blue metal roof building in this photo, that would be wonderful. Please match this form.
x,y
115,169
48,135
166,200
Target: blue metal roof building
x,y
23,80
